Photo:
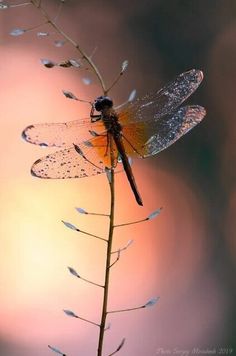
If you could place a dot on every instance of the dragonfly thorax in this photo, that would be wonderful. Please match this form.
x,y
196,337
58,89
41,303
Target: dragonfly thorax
x,y
111,122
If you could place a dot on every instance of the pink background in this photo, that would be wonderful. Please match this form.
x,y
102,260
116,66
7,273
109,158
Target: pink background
x,y
187,255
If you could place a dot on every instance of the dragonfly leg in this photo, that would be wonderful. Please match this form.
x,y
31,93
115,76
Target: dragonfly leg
x,y
93,117
135,150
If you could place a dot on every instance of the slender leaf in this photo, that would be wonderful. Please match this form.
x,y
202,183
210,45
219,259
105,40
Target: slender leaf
x,y
4,5
75,63
151,302
42,34
78,150
17,32
65,64
81,211
129,243
124,66
154,214
59,43
48,63
54,349
88,144
69,94
73,271
70,313
121,345
70,226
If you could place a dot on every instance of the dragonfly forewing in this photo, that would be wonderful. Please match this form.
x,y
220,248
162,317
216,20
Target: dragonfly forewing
x,y
62,134
165,101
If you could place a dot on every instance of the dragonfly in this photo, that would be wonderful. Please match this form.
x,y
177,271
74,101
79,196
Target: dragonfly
x,y
110,136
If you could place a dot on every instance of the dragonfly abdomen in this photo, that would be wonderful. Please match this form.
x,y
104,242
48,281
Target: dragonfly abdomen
x,y
127,167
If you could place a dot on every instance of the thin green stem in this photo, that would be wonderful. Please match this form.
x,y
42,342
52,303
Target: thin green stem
x,y
90,282
35,27
92,235
98,214
117,258
87,321
125,310
86,57
132,222
22,4
118,348
108,257
115,81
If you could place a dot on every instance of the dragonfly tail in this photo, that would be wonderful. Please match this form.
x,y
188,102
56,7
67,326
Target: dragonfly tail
x,y
128,171
136,193
131,180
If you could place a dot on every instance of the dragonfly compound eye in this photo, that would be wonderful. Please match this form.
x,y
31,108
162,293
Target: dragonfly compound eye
x,y
103,102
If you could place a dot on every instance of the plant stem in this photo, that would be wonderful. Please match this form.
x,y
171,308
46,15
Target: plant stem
x,y
96,71
108,257
115,82
125,310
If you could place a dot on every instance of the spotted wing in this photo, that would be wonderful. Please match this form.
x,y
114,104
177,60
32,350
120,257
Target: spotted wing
x,y
62,134
84,160
147,138
154,106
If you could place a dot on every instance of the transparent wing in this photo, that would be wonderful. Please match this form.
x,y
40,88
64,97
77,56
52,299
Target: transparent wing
x,y
79,161
165,101
147,138
62,134
140,140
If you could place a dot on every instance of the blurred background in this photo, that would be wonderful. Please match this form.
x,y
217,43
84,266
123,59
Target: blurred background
x,y
187,255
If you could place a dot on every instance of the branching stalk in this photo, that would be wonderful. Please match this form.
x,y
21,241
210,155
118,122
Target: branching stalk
x,y
96,71
86,57
87,321
117,258
115,81
132,222
125,310
35,27
90,282
92,235
93,67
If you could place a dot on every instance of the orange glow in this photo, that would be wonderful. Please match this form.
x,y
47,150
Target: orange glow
x,y
169,257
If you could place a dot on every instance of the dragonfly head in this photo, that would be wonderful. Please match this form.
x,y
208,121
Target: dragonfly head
x,y
103,102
